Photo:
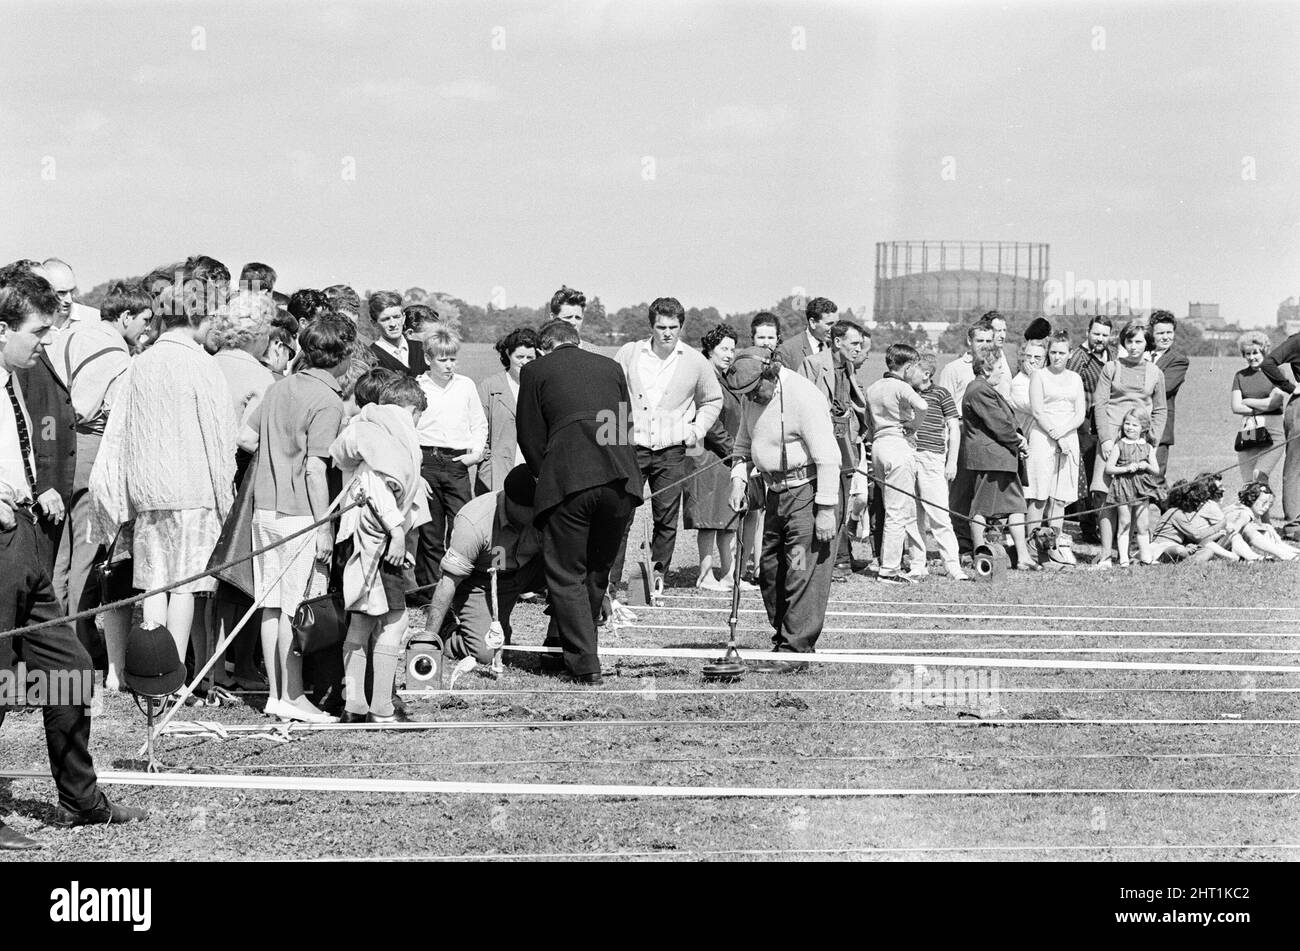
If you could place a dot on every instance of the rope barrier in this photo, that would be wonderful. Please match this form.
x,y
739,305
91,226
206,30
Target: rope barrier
x,y
220,649
879,481
445,787
896,660
137,598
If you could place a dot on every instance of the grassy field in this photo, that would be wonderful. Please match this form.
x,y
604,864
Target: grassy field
x,y
654,722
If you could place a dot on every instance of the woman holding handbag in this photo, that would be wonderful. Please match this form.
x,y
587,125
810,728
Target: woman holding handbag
x,y
291,431
1260,441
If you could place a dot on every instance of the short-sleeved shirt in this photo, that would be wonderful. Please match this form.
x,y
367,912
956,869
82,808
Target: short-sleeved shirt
x,y
932,434
298,418
1254,385
482,533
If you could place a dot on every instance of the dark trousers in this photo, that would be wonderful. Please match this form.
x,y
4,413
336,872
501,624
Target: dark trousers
x,y
959,499
1291,469
27,597
659,467
579,542
448,491
843,544
794,571
1088,526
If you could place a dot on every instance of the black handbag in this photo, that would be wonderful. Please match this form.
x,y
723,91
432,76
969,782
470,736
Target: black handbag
x,y
236,538
322,622
319,622
1251,438
112,579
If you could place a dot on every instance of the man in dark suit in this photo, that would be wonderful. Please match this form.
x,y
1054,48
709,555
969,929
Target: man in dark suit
x,y
1173,364
833,372
574,429
51,655
54,442
821,315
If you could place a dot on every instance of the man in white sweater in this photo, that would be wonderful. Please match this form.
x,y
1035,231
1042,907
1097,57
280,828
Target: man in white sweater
x,y
676,398
785,431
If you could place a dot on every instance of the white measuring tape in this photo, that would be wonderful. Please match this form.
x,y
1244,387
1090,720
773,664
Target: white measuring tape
x,y
180,728
673,609
1281,608
444,787
960,631
923,660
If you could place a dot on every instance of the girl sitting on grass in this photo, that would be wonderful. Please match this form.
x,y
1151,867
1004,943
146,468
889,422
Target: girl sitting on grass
x,y
1132,466
1186,531
1256,536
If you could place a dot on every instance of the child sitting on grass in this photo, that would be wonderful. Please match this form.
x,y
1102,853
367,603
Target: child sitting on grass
x,y
1186,530
381,449
1256,536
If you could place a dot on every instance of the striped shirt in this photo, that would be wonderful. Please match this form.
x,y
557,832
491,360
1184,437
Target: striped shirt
x,y
1089,366
932,434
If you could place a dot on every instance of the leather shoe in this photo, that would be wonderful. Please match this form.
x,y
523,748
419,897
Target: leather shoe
x,y
347,716
592,679
13,841
776,667
395,717
104,814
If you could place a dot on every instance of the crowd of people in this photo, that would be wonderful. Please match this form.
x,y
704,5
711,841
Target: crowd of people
x,y
192,410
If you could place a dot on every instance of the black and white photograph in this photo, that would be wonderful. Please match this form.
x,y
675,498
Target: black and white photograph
x,y
580,431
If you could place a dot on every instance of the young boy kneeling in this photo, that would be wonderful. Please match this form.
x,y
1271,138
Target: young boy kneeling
x,y
493,532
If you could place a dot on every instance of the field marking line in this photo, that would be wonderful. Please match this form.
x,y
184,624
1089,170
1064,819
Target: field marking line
x,y
847,850
958,631
1061,650
655,609
202,729
953,758
922,660
446,787
706,598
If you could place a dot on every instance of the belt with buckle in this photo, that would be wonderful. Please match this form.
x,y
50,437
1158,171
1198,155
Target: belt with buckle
x,y
790,479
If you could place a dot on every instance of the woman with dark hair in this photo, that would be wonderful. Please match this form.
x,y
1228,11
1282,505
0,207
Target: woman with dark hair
x,y
1126,383
167,461
708,492
392,350
765,331
500,393
991,447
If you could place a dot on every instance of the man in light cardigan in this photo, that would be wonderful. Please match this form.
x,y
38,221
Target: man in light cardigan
x,y
675,399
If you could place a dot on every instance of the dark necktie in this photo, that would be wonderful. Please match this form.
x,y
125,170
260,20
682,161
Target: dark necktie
x,y
24,436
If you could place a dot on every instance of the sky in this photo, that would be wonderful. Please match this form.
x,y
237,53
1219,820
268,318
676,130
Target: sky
x,y
727,154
